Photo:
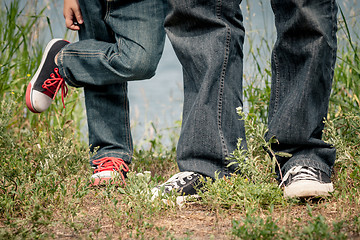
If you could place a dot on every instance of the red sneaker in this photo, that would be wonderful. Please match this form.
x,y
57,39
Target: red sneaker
x,y
47,81
108,169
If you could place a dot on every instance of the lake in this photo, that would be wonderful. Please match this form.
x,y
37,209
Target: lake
x,y
159,100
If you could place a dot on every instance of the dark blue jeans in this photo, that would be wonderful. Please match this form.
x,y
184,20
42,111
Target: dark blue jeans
x,y
208,36
120,41
303,62
123,40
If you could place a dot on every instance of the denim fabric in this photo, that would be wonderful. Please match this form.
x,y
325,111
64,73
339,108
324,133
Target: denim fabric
x,y
208,36
123,40
120,41
303,61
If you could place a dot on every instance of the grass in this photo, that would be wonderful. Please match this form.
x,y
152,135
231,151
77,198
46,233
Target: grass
x,y
44,191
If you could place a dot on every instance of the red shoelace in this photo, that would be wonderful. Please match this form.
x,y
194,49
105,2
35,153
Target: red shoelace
x,y
53,85
111,164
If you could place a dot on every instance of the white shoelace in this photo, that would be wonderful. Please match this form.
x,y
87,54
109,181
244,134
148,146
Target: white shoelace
x,y
171,183
305,174
177,177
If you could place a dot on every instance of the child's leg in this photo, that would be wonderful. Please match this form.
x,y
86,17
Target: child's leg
x,y
120,41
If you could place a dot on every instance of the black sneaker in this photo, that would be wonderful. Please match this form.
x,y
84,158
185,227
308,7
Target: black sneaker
x,y
47,81
305,182
185,183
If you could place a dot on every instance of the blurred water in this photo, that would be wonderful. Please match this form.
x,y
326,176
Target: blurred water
x,y
159,100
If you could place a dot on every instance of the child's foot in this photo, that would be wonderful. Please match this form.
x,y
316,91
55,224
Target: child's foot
x,y
306,182
47,81
109,170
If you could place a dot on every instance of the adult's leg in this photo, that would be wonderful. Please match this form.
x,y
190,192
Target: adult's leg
x,y
208,36
120,41
303,62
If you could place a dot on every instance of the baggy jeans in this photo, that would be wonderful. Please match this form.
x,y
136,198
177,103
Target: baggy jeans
x,y
123,41
208,36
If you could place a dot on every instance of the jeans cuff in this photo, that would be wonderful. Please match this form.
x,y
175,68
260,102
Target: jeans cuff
x,y
206,168
124,156
63,73
314,163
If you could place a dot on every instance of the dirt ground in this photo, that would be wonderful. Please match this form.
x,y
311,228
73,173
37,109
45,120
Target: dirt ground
x,y
191,221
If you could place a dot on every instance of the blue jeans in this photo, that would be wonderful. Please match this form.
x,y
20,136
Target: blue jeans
x,y
120,41
303,61
208,35
126,42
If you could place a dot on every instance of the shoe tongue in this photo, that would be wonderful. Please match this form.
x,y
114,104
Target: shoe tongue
x,y
45,74
179,176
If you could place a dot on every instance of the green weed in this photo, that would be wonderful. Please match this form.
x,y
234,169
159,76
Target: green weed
x,y
252,227
345,97
44,172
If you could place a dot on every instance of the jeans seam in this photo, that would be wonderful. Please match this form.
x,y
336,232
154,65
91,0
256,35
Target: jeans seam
x,y
61,61
106,18
69,53
105,154
112,57
89,54
334,30
277,82
222,80
276,78
127,123
95,55
218,9
118,45
108,6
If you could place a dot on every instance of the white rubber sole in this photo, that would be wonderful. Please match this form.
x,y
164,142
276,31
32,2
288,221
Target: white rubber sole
x,y
308,188
105,178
